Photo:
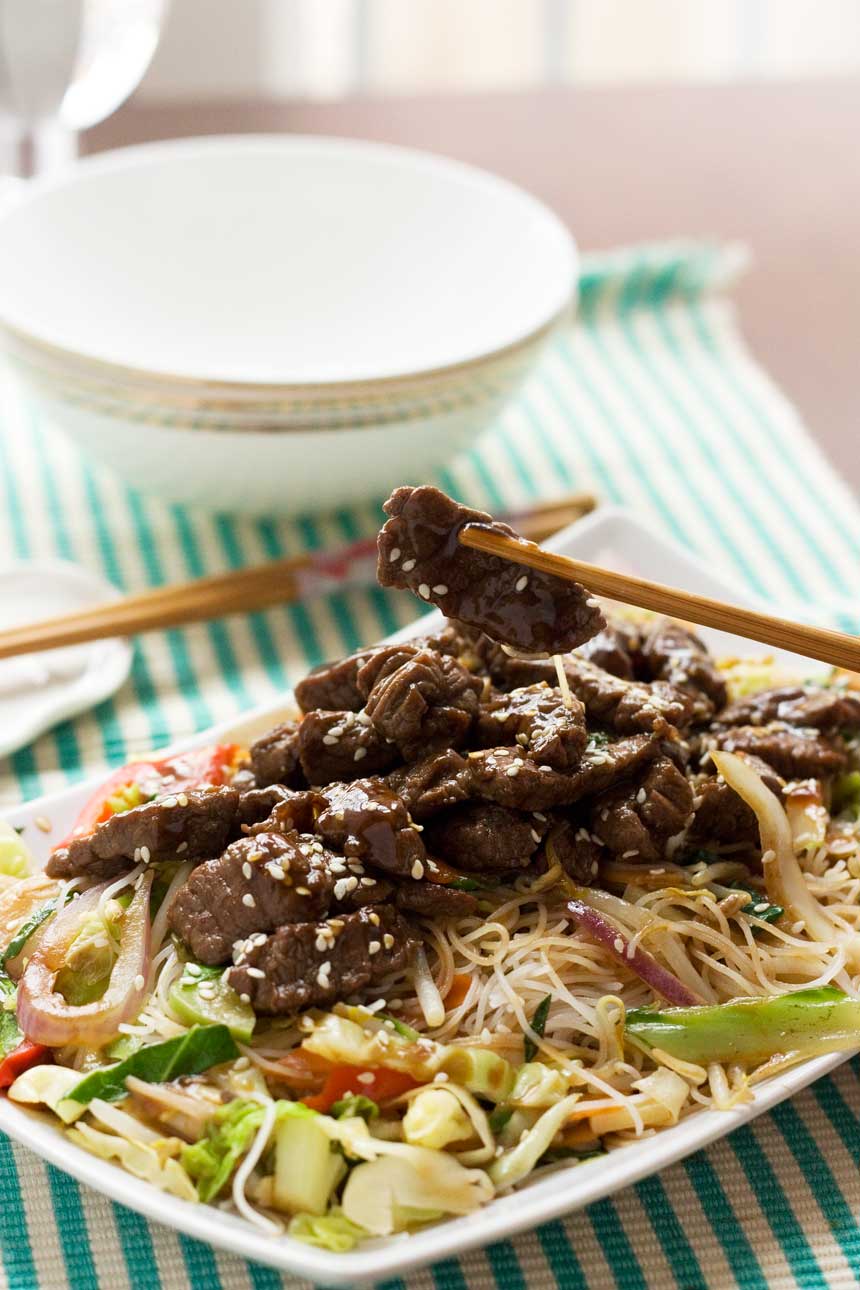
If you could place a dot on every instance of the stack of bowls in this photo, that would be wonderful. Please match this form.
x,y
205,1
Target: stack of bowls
x,y
277,323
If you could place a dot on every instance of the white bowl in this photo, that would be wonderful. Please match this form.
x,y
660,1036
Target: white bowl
x,y
271,285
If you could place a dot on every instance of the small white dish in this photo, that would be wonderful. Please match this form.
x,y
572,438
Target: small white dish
x,y
333,316
609,536
39,690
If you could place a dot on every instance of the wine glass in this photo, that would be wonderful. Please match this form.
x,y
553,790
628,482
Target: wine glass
x,y
66,65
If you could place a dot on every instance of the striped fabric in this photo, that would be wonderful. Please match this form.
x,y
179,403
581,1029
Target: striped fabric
x,y
654,403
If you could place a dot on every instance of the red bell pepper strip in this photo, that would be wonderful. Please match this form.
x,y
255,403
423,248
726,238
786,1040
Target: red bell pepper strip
x,y
342,1080
21,1059
213,764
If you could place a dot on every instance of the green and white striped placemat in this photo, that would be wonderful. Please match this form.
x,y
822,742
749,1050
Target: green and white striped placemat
x,y
654,403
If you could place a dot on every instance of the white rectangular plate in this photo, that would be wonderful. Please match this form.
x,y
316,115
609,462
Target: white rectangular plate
x,y
610,537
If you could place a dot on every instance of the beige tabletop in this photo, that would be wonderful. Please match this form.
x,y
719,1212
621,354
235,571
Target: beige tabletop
x,y
776,166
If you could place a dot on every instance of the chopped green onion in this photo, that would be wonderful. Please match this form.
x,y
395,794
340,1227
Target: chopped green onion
x,y
538,1023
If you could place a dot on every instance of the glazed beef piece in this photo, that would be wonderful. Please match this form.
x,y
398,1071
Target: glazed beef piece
x,y
506,776
419,551
608,649
795,752
275,757
421,699
307,965
432,784
636,820
722,816
569,844
612,701
535,717
482,837
333,686
191,825
432,900
336,746
261,883
366,820
295,811
672,653
797,706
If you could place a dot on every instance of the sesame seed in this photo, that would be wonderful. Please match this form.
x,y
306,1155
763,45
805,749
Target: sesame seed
x,y
417,870
275,871
244,998
257,973
206,992
246,870
618,945
408,566
318,847
145,854
641,796
139,981
368,882
374,947
535,835
249,900
394,554
388,940
359,754
366,1077
183,846
441,1077
374,918
330,740
539,815
193,969
423,591
182,799
302,891
513,771
43,823
521,583
625,855
440,589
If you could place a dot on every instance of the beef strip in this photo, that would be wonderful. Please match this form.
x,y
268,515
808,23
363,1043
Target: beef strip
x,y
609,649
432,900
506,776
430,785
535,717
720,814
482,837
295,810
419,551
314,964
806,705
368,821
672,653
261,883
275,756
796,752
569,844
332,686
336,746
612,701
194,825
420,699
635,821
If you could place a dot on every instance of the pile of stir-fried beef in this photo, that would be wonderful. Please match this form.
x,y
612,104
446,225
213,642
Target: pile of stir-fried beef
x,y
416,766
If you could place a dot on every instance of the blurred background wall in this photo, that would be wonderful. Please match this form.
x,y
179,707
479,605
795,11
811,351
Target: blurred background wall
x,y
328,48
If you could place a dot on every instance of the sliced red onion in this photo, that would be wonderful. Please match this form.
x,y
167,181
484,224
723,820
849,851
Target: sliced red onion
x,y
44,1015
646,967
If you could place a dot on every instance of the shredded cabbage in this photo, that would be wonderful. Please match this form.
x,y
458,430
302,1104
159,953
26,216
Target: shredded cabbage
x,y
211,1161
145,1162
332,1231
434,1119
517,1163
388,1194
49,1085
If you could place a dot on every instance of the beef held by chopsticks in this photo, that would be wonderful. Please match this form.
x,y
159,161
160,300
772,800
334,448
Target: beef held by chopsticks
x,y
419,551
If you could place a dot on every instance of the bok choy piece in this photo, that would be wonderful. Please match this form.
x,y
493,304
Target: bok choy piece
x,y
188,1054
749,1031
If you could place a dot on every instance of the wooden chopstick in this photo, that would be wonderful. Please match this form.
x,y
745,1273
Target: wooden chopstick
x,y
837,648
240,592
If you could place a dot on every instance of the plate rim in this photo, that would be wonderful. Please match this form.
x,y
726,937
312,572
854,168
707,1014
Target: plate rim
x,y
538,1203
